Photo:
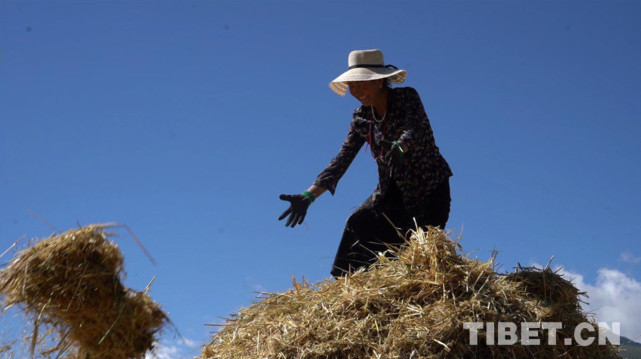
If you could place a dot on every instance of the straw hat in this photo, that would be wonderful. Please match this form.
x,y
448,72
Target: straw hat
x,y
365,65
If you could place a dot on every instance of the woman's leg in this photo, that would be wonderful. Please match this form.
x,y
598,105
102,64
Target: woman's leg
x,y
352,253
437,208
368,231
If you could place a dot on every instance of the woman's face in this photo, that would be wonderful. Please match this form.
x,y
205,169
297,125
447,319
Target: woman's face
x,y
365,91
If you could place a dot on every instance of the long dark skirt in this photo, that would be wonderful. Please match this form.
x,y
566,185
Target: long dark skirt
x,y
368,230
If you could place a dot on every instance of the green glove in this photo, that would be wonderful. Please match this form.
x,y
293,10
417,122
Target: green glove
x,y
297,209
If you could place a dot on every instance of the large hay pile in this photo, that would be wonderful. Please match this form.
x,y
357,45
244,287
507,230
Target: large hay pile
x,y
412,307
70,284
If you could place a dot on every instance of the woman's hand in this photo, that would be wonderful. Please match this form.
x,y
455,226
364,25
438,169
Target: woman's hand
x,y
297,209
395,156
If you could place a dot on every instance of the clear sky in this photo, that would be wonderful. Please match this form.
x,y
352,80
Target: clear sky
x,y
186,119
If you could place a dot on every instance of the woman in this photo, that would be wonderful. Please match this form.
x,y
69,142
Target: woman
x,y
413,176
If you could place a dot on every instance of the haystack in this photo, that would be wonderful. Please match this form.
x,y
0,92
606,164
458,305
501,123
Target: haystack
x,y
71,285
413,306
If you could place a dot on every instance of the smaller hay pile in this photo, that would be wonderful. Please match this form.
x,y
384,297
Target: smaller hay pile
x,y
412,307
71,285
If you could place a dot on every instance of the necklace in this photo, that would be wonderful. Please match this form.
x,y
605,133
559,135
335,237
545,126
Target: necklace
x,y
374,116
370,138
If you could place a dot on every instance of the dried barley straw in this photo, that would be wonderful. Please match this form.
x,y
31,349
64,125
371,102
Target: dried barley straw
x,y
71,284
410,307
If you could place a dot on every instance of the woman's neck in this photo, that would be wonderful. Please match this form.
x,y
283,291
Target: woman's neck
x,y
380,102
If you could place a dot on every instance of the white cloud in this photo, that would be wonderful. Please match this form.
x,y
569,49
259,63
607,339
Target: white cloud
x,y
183,348
614,297
254,285
629,257
164,352
190,343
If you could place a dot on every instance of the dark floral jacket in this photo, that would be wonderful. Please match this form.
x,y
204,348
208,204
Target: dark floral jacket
x,y
423,166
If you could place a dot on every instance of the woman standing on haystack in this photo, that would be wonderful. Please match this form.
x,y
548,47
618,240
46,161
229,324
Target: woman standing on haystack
x,y
413,176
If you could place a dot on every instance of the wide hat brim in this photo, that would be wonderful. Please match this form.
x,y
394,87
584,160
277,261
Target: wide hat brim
x,y
339,84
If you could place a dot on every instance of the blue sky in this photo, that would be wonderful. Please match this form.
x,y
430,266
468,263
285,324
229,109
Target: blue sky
x,y
186,120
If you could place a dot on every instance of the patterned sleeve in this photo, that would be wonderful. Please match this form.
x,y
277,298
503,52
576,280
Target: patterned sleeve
x,y
336,169
417,124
